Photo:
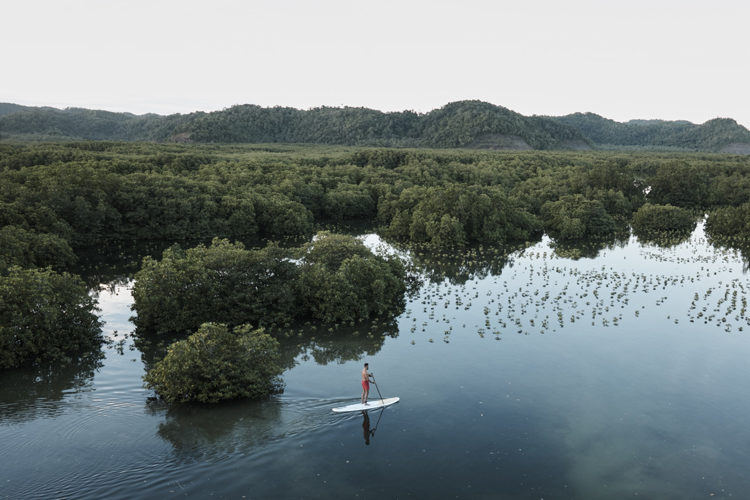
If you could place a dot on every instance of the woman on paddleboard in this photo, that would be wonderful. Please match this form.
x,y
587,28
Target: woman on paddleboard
x,y
366,378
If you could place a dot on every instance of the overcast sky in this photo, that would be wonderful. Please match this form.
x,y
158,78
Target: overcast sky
x,y
622,59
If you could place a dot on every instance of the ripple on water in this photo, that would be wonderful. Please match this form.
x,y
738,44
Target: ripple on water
x,y
82,450
110,442
175,450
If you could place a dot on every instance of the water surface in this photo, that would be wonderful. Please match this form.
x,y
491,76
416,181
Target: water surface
x,y
618,376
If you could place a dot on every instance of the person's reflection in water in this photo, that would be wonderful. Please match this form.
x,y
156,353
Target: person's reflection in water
x,y
366,427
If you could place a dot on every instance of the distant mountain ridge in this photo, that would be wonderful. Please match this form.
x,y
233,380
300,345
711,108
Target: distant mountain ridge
x,y
719,134
462,124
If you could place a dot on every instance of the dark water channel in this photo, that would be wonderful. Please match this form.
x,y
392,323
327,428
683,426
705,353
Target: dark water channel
x,y
620,376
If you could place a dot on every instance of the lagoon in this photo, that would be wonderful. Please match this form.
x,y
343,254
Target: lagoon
x,y
532,376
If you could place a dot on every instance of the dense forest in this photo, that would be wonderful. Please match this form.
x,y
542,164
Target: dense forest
x,y
719,134
463,124
59,199
228,237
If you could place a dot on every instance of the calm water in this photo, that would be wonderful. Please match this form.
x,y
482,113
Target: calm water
x,y
619,376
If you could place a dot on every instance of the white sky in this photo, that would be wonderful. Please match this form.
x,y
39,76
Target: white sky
x,y
622,59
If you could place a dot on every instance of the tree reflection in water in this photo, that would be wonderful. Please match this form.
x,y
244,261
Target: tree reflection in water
x,y
34,392
590,248
337,344
197,432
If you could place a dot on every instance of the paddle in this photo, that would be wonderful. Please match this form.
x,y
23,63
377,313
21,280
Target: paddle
x,y
378,388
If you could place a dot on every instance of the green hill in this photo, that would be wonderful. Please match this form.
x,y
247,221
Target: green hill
x,y
720,134
466,123
7,108
463,124
459,124
79,123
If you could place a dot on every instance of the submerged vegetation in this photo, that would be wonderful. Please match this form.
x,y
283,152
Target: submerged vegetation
x,y
456,215
341,280
241,222
45,317
574,218
335,278
538,291
214,364
223,282
660,222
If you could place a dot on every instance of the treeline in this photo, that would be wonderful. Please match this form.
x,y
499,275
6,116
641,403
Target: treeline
x,y
459,124
719,134
463,124
56,199
78,123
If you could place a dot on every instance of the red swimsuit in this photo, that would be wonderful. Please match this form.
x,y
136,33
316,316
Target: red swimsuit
x,y
366,385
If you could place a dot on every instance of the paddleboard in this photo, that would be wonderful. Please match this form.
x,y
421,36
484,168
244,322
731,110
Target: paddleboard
x,y
372,404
